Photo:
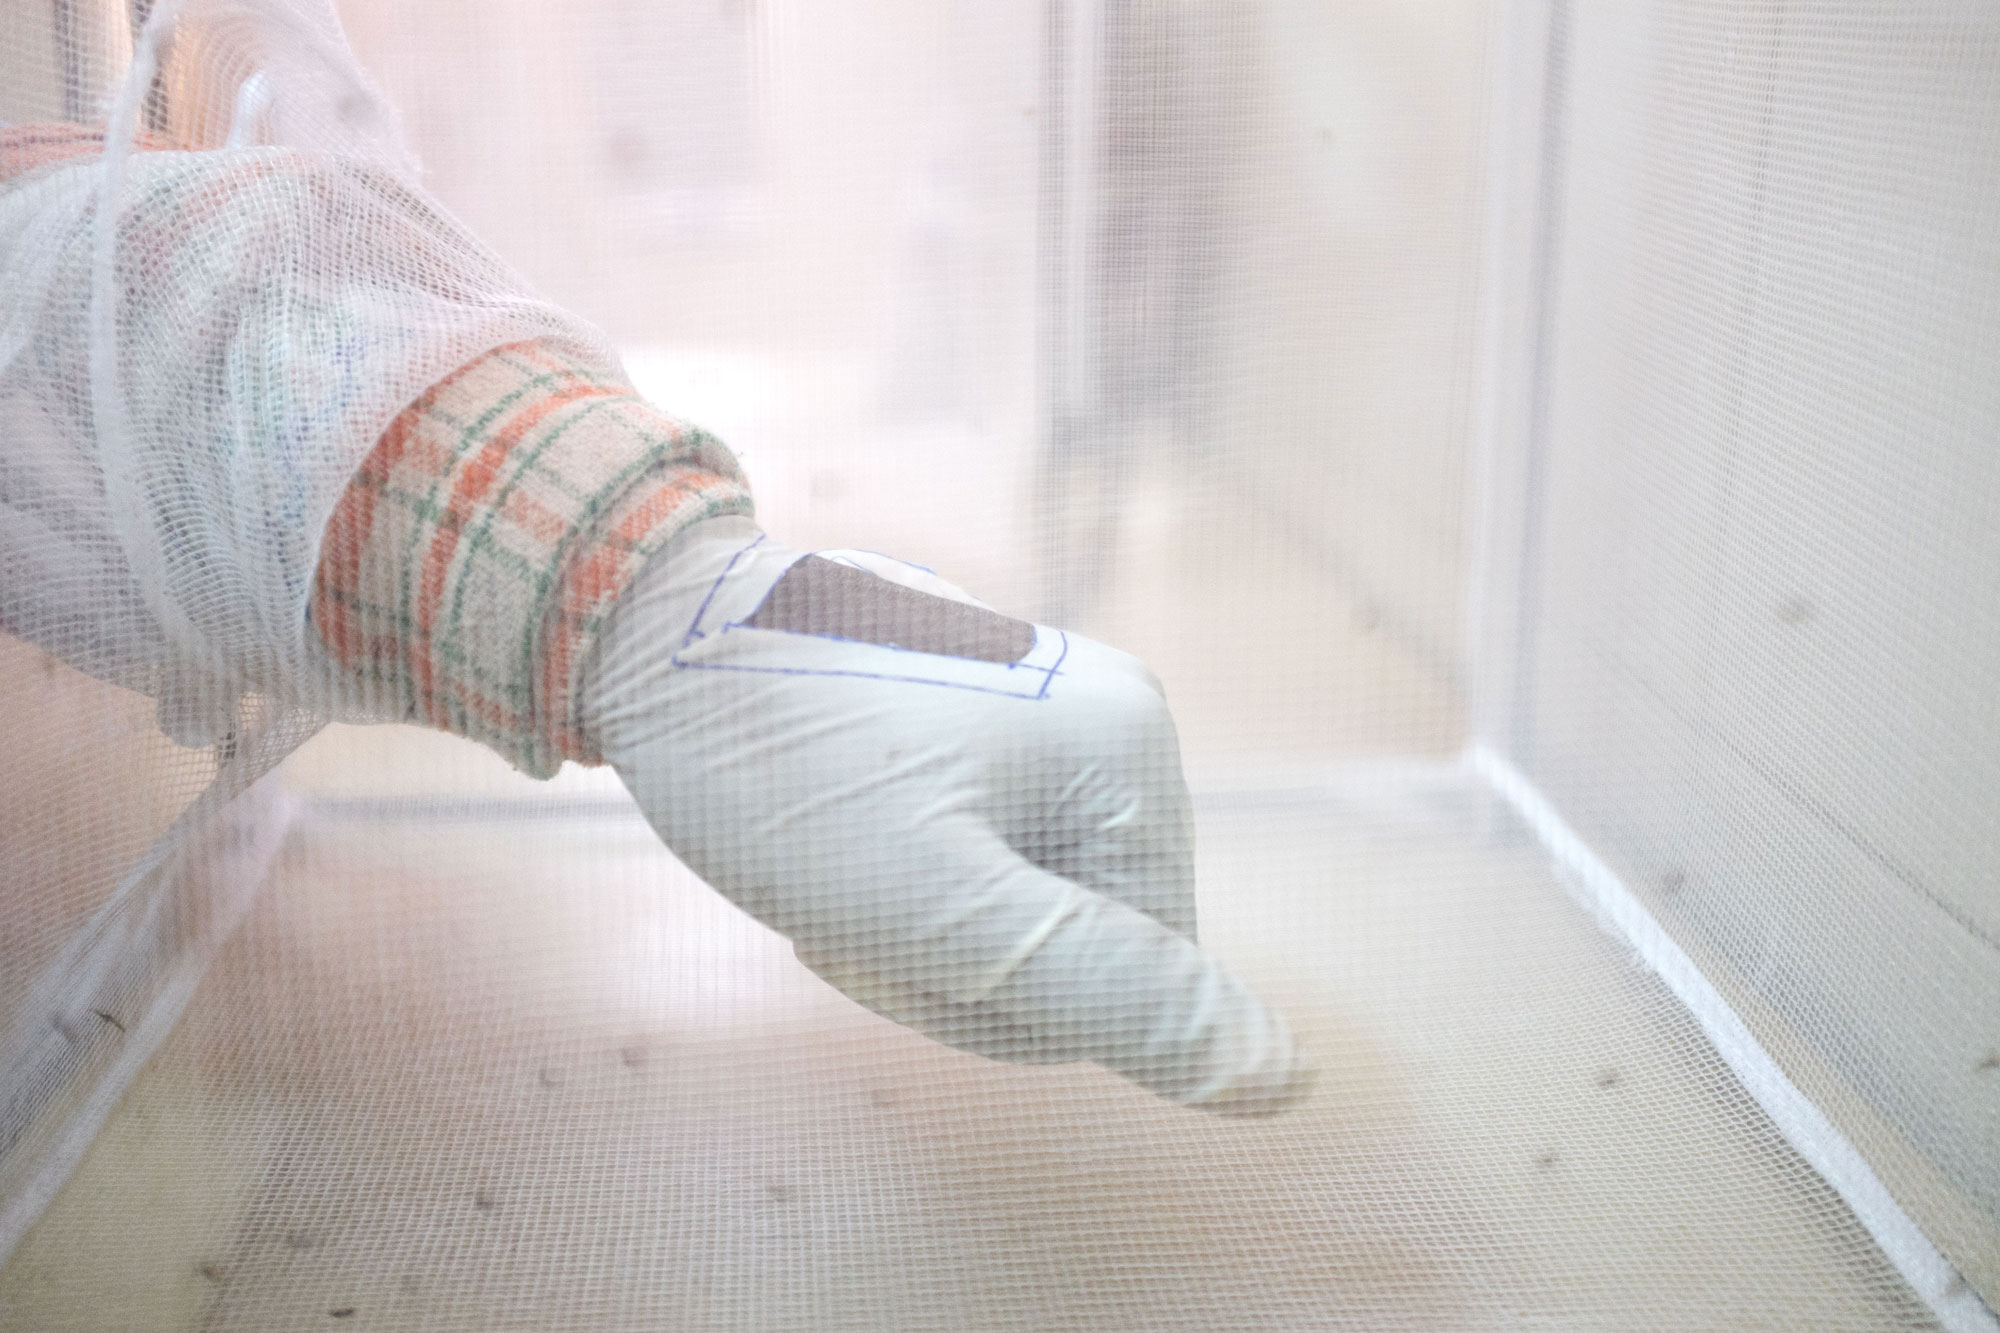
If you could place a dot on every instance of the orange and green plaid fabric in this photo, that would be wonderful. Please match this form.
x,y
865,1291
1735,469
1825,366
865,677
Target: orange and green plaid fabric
x,y
469,565
472,561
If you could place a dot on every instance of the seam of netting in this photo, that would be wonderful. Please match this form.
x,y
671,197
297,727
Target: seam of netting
x,y
1934,1278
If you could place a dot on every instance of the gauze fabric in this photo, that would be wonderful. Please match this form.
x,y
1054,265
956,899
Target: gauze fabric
x,y
172,461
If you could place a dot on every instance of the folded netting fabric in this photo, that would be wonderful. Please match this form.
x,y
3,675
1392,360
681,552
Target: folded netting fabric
x,y
271,311
280,443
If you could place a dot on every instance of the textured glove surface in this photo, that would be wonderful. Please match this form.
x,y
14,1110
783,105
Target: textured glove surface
x,y
998,853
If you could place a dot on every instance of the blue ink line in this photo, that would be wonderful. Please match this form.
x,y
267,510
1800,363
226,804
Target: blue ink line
x,y
695,628
1037,697
1050,679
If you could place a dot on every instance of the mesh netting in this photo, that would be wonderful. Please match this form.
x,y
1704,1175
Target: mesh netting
x,y
1545,454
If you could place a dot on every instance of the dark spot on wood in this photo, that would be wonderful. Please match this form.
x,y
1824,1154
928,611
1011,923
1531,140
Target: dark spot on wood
x,y
109,1019
1609,1078
210,1272
300,1240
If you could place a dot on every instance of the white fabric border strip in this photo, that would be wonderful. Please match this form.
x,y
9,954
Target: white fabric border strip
x,y
1957,1306
242,841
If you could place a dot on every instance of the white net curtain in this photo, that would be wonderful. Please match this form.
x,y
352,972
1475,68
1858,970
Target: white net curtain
x,y
1548,453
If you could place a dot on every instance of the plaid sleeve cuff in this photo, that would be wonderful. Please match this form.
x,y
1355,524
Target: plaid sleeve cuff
x,y
472,561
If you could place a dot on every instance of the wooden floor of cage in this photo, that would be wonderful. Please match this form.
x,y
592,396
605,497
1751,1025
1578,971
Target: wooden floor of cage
x,y
563,1085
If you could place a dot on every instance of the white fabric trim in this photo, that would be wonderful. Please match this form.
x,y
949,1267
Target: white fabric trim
x,y
239,844
1804,1126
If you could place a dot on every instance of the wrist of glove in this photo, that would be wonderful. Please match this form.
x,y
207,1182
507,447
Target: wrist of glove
x,y
974,826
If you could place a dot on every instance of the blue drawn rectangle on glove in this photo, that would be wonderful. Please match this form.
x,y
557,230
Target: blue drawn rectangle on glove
x,y
897,636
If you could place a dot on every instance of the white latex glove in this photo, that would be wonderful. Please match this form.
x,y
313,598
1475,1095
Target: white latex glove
x,y
997,853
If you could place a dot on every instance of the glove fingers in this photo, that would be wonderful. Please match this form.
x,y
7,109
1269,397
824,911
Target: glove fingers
x,y
966,1027
1025,965
1121,822
1133,844
1112,985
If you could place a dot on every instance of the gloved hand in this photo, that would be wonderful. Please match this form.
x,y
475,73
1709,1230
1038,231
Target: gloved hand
x,y
973,825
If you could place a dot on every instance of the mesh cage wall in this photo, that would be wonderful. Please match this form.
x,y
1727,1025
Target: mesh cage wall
x,y
1261,340
1753,636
